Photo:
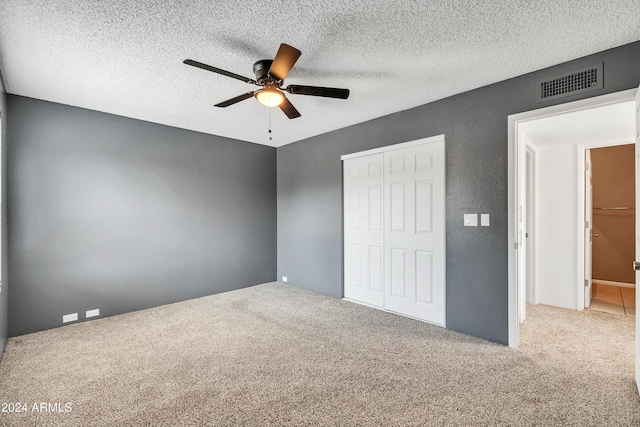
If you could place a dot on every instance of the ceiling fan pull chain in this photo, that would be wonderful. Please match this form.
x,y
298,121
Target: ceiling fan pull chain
x,y
270,125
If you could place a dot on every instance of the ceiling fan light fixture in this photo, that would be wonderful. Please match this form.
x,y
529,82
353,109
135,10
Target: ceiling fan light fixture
x,y
270,97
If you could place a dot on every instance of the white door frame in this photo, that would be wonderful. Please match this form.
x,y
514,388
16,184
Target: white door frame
x,y
516,192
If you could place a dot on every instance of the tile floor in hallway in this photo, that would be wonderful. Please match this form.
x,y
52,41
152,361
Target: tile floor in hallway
x,y
613,299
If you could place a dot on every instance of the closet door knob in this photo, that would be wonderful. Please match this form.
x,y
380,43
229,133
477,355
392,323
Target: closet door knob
x,y
594,234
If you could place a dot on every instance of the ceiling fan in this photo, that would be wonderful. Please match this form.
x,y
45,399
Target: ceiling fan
x,y
270,74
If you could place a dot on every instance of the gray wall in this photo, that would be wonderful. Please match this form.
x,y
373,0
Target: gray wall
x,y
475,125
119,214
4,294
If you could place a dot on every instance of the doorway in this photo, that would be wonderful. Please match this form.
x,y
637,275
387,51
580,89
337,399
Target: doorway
x,y
613,229
590,110
562,261
556,139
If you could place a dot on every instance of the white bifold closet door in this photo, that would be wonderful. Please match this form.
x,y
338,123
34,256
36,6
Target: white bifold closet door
x,y
363,230
414,232
400,267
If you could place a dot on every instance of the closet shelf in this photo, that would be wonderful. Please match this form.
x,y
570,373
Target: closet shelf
x,y
615,208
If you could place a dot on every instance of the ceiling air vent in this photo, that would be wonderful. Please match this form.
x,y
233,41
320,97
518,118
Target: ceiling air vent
x,y
577,81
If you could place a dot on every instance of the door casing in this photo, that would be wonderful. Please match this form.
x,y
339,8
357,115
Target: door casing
x,y
517,197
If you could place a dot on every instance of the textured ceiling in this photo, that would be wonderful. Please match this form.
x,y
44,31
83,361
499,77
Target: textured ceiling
x,y
125,57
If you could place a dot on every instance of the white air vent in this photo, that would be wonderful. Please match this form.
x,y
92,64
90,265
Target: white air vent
x,y
577,81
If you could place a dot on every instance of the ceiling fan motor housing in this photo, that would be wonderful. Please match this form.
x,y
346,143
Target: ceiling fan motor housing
x,y
261,70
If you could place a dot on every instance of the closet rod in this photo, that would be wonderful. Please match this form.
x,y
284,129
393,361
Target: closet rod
x,y
615,208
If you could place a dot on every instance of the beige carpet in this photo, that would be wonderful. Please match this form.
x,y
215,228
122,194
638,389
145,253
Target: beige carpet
x,y
277,355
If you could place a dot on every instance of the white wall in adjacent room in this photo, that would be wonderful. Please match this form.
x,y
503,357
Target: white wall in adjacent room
x,y
556,239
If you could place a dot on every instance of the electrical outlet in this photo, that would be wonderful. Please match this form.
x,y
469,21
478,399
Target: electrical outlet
x,y
484,220
284,278
93,313
70,317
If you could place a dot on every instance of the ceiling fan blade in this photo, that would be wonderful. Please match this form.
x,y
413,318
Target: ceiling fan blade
x,y
327,92
235,100
287,107
284,60
218,70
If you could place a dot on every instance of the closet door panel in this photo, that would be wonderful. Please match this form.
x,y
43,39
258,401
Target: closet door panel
x,y
414,227
424,277
363,229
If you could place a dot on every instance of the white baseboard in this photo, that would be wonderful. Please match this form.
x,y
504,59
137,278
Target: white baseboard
x,y
610,283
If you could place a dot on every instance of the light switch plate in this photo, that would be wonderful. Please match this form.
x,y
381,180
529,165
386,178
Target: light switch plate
x,y
484,220
471,220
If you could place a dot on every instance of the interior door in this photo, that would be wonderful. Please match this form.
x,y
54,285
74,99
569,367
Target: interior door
x,y
588,237
637,235
415,232
522,245
363,229
530,229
